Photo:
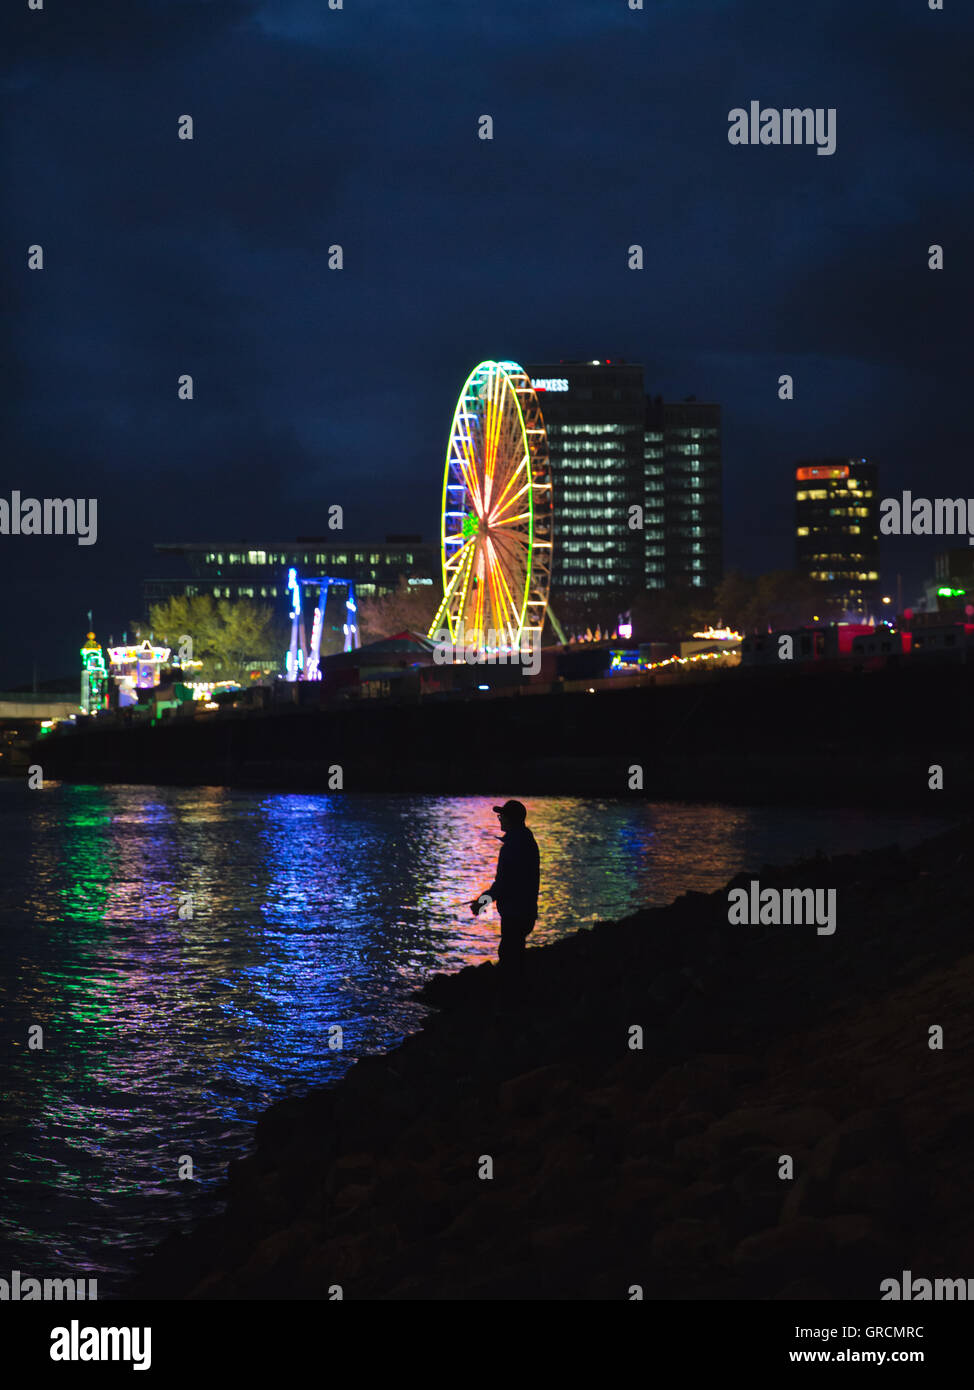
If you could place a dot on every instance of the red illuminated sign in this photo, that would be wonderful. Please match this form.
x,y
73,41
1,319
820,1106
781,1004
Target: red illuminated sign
x,y
804,475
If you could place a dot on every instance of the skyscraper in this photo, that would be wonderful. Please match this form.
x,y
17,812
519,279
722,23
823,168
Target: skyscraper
x,y
594,415
684,537
613,450
837,530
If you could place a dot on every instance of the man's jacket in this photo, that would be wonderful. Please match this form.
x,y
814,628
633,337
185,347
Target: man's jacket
x,y
515,888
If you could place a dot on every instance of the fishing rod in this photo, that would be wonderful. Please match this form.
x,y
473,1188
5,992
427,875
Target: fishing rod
x,y
461,902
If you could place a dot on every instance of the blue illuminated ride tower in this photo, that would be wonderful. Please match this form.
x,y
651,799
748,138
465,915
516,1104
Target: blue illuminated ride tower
x,y
303,662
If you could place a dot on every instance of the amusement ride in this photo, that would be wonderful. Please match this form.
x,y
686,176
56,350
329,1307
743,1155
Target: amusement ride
x,y
496,526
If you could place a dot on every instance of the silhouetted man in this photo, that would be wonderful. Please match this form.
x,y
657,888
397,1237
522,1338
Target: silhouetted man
x,y
515,886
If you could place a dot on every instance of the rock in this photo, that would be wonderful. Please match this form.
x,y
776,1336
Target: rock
x,y
959,1128
808,1197
710,1099
696,1152
636,1198
420,1142
667,989
758,1190
702,1201
351,1258
532,1091
801,1249
878,1186
693,1123
350,1197
567,1152
434,1213
282,1246
866,1135
865,1254
688,1243
352,1168
552,1241
646,1139
804,1290
785,1128
270,1199
857,1231
478,1217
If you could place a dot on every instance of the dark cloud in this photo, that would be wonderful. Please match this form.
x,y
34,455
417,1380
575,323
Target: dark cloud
x,y
112,33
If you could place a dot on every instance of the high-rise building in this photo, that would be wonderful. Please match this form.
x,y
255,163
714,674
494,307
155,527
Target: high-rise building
x,y
612,450
837,530
684,536
594,414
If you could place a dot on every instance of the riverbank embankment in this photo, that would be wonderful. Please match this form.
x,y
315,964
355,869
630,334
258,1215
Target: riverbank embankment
x,y
789,737
521,1145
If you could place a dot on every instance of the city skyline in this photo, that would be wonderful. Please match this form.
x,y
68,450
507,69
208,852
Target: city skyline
x,y
150,589
314,386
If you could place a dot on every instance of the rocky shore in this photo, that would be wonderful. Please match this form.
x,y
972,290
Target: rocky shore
x,y
615,1166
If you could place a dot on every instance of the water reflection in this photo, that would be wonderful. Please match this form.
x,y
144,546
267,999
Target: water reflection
x,y
187,952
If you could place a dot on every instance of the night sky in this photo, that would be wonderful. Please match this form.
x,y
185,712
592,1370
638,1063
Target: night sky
x,y
359,127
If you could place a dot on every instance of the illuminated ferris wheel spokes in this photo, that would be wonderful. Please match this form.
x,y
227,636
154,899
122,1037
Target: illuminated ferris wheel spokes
x,y
497,527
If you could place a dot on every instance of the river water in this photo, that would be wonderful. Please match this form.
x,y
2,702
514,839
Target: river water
x,y
185,953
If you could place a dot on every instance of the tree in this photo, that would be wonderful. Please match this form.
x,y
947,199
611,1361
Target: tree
x,y
226,635
244,633
667,615
732,604
409,608
776,600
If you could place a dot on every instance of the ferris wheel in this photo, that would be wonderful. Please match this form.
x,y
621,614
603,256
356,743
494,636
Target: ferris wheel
x,y
496,532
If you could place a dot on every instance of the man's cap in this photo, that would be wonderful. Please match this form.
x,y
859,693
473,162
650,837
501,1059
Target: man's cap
x,y
517,809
